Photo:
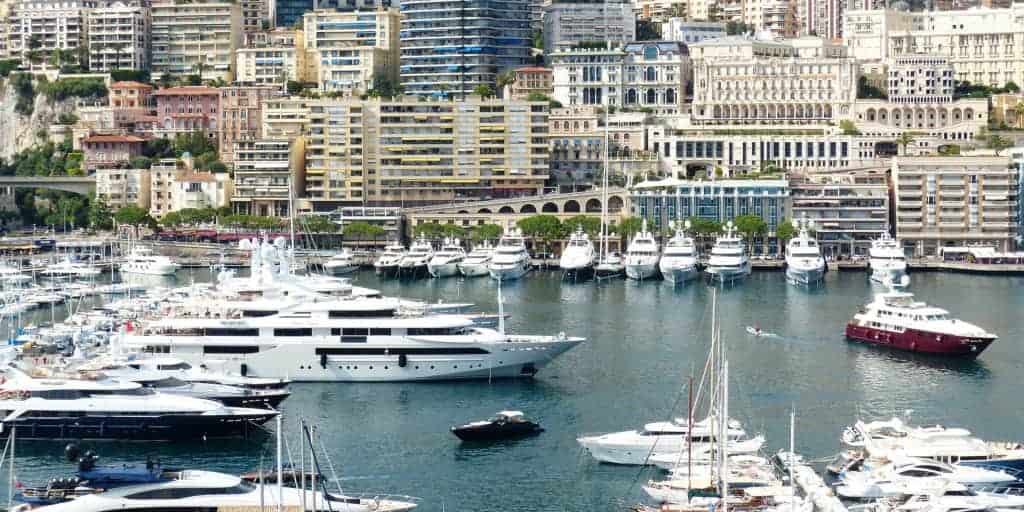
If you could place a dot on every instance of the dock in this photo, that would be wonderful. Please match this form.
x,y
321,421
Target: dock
x,y
812,485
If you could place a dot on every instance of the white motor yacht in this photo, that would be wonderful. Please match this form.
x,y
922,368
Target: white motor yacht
x,y
578,257
340,264
888,262
804,263
895,440
911,476
635,447
642,255
67,268
445,263
510,259
476,262
729,260
679,260
415,261
207,491
610,266
11,275
387,263
143,261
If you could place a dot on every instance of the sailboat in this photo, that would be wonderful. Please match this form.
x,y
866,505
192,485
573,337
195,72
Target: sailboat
x,y
608,265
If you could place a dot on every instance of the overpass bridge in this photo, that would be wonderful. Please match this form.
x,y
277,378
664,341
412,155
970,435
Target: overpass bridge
x,y
84,185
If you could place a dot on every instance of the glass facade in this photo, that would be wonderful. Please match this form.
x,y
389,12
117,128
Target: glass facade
x,y
719,201
449,47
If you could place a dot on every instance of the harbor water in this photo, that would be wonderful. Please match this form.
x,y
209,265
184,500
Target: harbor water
x,y
644,341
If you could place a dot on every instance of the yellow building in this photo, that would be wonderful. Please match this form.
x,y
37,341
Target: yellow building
x,y
408,152
350,49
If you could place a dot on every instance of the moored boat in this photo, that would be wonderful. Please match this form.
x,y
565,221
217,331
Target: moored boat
x,y
504,425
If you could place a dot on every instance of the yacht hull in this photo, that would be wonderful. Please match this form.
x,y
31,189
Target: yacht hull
x,y
638,454
914,340
163,427
806,276
641,271
609,271
727,274
679,274
508,272
150,270
473,269
340,270
386,270
577,271
443,269
327,362
886,275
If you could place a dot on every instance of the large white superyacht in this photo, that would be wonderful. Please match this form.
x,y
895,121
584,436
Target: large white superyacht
x,y
510,259
888,262
804,263
679,260
578,257
642,255
729,260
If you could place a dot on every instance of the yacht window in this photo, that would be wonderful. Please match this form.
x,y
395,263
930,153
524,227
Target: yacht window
x,y
186,492
430,331
257,313
169,382
380,331
360,313
299,331
227,331
355,332
176,366
336,331
230,349
399,351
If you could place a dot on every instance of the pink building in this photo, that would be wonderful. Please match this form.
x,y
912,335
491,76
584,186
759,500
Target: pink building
x,y
110,150
131,102
187,109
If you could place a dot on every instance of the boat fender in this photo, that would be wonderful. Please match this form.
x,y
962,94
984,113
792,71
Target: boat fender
x,y
403,360
323,361
244,369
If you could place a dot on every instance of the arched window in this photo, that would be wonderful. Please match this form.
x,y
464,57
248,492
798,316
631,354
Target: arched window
x,y
649,74
631,97
651,97
670,96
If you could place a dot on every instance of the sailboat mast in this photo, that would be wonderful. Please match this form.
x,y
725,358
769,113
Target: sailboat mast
x,y
792,457
723,440
280,475
604,190
689,440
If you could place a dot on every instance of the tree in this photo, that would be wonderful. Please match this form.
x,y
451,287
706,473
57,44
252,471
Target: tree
x,y
100,215
140,162
486,232
785,231
998,143
537,39
704,227
484,91
751,227
505,78
591,225
384,88
362,231
166,80
317,224
848,127
1011,86
199,67
904,140
629,227
1018,111
134,216
735,28
545,228
452,231
428,230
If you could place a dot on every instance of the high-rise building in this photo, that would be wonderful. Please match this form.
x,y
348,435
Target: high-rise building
x,y
241,115
352,49
45,26
849,209
449,47
570,23
118,37
272,57
262,175
198,37
408,152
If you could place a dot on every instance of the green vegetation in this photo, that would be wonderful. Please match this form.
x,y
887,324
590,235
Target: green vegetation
x,y
22,84
130,75
435,231
751,227
362,231
866,90
968,90
194,216
734,28
317,224
591,225
252,222
67,118
848,127
542,228
100,216
997,143
785,231
134,216
382,88
537,96
140,162
537,39
949,150
7,66
904,140
86,88
486,232
629,227
484,91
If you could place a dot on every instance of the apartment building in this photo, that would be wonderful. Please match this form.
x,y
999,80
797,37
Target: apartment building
x,y
132,103
110,150
285,117
47,25
272,57
200,190
289,13
822,18
408,152
351,49
240,115
118,37
187,109
161,184
577,144
262,176
921,79
984,45
744,80
849,209
689,32
571,23
449,47
123,187
197,37
531,80
955,201
643,75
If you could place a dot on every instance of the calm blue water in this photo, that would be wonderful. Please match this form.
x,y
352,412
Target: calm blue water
x,y
644,341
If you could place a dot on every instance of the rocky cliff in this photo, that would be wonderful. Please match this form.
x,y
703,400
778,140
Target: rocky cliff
x,y
18,132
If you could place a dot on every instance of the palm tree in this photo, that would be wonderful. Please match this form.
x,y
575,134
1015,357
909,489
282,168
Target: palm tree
x,y
1018,110
505,78
904,140
199,67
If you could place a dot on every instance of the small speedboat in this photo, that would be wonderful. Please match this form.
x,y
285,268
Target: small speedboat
x,y
504,425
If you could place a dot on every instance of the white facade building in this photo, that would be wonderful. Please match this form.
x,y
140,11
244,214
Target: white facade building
x,y
53,24
749,81
571,22
118,37
350,49
123,187
689,32
643,75
921,79
189,36
985,46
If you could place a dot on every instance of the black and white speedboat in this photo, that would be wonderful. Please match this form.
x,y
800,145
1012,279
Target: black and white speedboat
x,y
51,409
233,396
504,425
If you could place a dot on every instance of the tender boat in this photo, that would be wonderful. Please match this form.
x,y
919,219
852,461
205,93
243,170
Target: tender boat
x,y
887,261
415,261
445,263
578,257
504,425
387,263
228,395
635,447
341,264
476,262
642,255
804,263
897,320
679,260
510,260
729,260
207,491
142,261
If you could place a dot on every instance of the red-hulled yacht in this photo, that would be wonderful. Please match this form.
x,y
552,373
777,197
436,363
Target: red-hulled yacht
x,y
895,319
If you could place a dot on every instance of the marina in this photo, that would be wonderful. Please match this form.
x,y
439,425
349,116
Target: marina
x,y
394,437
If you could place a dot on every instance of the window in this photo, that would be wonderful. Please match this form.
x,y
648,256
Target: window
x,y
230,349
297,331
